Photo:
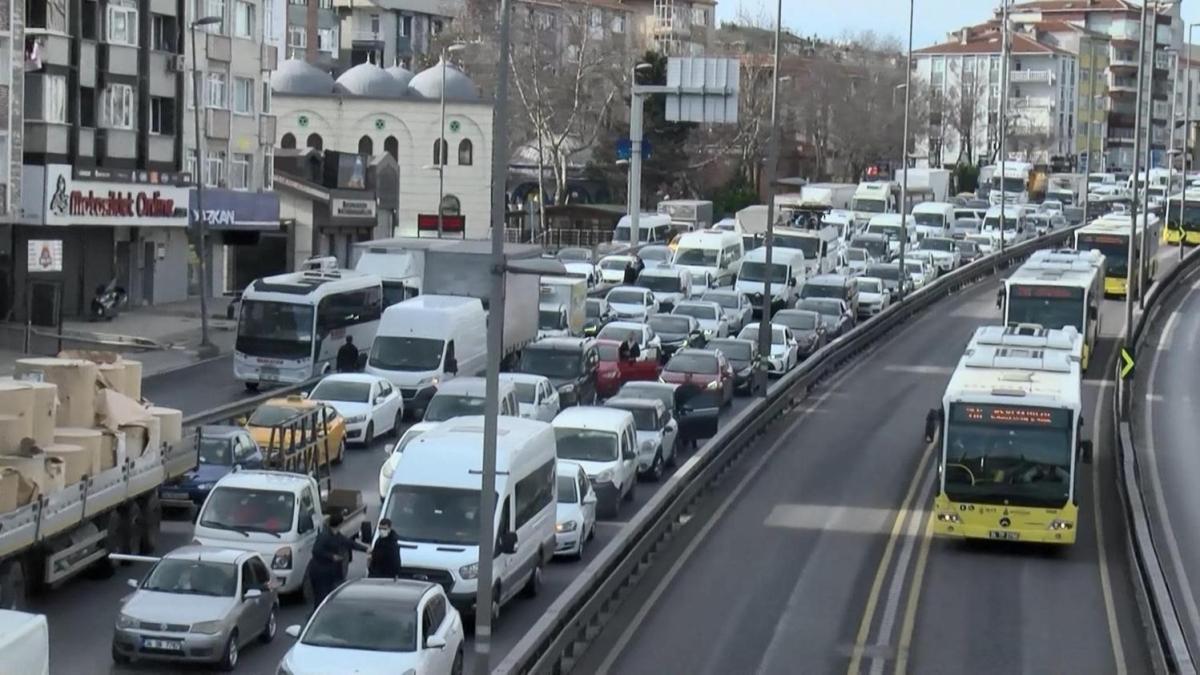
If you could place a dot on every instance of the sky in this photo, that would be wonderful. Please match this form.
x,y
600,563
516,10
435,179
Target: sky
x,y
932,19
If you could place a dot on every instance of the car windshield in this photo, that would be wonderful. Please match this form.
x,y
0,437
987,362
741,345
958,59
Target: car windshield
x,y
980,240
277,330
660,283
644,419
735,350
655,390
968,247
217,451
914,267
1010,184
797,320
551,319
870,286
249,510
655,254
593,309
889,231
856,254
725,300
868,205
444,406
929,219
993,223
756,271
586,445
936,244
568,490
670,324
268,415
814,290
575,254
706,257
822,306
877,248
618,334
342,390
555,363
701,312
434,515
405,353
192,577
613,264
810,245
627,297
526,391
704,364
367,624
888,272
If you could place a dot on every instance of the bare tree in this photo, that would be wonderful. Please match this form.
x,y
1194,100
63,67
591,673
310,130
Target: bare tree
x,y
964,104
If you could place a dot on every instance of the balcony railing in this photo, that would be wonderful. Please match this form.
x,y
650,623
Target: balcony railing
x,y
1122,57
368,36
1043,76
1032,103
1123,84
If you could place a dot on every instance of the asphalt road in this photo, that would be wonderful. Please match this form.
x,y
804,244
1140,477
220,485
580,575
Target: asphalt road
x,y
1166,428
195,388
815,557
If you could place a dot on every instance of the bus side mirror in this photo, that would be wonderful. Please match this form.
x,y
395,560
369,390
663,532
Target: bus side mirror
x,y
1085,452
1092,313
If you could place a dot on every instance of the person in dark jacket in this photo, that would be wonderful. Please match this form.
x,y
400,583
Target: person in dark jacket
x,y
330,557
347,357
631,273
385,554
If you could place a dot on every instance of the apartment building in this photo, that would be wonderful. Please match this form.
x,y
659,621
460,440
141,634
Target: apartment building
x,y
674,27
390,32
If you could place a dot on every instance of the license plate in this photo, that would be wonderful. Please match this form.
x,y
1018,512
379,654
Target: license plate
x,y
268,374
176,495
1004,534
169,645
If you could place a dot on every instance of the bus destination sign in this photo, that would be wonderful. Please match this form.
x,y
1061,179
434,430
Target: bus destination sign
x,y
1027,416
1048,292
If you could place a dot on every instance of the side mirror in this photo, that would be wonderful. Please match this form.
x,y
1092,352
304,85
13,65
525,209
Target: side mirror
x,y
508,543
1085,452
365,533
293,630
132,583
252,594
589,498
792,282
435,642
452,366
304,394
1092,312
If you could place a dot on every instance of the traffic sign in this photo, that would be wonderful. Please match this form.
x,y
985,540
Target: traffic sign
x,y
706,90
625,149
1126,362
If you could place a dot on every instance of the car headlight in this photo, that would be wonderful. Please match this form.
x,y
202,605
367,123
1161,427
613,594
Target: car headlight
x,y
207,627
204,486
712,385
469,571
126,621
567,526
355,419
282,559
567,389
604,476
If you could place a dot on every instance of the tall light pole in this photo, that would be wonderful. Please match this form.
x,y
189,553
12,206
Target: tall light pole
x,y
637,103
443,148
1004,48
764,323
1137,158
1187,132
1143,262
206,347
903,276
1091,121
1171,136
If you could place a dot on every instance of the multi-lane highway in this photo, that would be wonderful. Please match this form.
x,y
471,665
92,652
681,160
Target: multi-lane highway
x,y
1166,426
817,557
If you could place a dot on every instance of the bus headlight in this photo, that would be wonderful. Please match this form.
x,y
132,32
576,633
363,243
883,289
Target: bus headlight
x,y
949,518
1059,524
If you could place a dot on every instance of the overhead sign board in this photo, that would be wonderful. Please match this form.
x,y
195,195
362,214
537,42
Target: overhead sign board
x,y
706,90
71,201
44,255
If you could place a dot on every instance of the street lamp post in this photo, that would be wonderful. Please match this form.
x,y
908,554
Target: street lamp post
x,y
1004,49
1137,158
636,106
1187,132
903,275
443,148
1091,119
764,323
1171,136
206,347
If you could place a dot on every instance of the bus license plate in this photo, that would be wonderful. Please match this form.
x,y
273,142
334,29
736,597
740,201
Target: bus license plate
x,y
268,374
1004,534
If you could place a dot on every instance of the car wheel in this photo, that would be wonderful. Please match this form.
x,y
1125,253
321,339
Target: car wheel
x,y
369,434
230,659
272,626
457,668
252,387
632,487
495,607
14,593
534,585
119,658
398,424
656,467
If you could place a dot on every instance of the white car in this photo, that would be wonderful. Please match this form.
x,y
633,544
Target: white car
x,y
604,442
943,250
537,397
632,302
873,297
612,268
378,626
785,349
855,260
584,270
656,434
389,464
708,314
370,405
919,271
643,334
575,523
985,242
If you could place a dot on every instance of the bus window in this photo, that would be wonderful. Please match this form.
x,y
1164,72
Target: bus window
x,y
275,330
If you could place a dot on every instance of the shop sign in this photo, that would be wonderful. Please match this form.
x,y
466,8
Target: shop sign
x,y
71,201
225,209
44,255
353,208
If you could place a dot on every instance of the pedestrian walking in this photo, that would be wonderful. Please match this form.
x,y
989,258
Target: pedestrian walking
x,y
330,558
385,553
347,357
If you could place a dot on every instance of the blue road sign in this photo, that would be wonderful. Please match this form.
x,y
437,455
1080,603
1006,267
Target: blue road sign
x,y
625,149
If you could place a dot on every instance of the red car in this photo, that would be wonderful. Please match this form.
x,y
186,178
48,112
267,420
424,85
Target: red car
x,y
613,372
708,370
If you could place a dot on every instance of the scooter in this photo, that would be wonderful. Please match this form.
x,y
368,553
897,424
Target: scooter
x,y
109,300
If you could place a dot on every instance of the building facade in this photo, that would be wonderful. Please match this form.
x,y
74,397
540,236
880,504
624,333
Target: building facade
x,y
389,32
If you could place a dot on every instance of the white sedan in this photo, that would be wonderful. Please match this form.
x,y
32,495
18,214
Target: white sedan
x,y
370,405
576,520
612,268
785,350
537,397
378,626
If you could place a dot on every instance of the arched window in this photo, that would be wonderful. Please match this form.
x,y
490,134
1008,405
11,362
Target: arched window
x,y
315,142
451,206
366,146
392,147
288,142
440,151
466,152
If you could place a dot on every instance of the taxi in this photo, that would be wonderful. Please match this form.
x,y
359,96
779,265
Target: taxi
x,y
265,421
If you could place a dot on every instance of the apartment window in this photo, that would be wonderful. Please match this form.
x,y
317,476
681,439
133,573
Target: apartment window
x,y
87,107
162,115
595,18
301,3
268,168
466,153
327,40
699,16
618,23
213,8
45,98
297,39
243,95
243,19
122,23
266,97
406,26
189,162
436,26
375,24
88,14
214,169
118,107
217,91
239,171
163,32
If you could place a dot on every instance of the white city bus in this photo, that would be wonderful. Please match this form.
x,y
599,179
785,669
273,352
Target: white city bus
x,y
1056,289
291,326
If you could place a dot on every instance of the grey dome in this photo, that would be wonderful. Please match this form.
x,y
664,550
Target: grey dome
x,y
400,74
368,79
295,76
459,87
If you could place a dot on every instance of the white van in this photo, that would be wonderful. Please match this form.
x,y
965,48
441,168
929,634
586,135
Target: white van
x,y
670,285
713,257
933,219
787,271
466,396
653,228
890,226
433,503
604,442
820,247
427,340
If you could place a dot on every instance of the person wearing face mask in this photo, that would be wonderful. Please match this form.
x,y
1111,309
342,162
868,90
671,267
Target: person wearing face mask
x,y
385,554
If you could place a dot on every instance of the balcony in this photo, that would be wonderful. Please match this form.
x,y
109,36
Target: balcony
x,y
1120,135
266,129
368,36
1034,76
1122,85
1032,103
1161,110
219,48
1122,58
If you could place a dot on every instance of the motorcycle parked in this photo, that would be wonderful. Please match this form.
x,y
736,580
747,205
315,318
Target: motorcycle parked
x,y
108,301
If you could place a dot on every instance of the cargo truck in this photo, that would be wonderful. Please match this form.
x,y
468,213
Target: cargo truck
x,y
809,207
567,295
687,215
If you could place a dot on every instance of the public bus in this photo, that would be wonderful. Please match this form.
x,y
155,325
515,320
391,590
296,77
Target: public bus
x,y
291,326
1011,422
1057,289
1190,232
1109,234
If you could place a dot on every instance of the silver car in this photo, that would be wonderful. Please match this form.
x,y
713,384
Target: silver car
x,y
198,604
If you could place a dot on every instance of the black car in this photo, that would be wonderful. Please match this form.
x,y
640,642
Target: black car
x,y
807,326
698,415
569,363
835,315
676,331
969,251
742,355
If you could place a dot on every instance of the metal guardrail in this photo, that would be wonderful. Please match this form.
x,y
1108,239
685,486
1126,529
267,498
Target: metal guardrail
x,y
1169,647
564,629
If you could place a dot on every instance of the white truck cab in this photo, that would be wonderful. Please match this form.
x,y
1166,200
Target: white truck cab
x,y
712,257
786,272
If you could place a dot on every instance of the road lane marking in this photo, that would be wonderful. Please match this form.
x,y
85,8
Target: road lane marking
x,y
918,369
1164,340
853,519
914,597
1110,610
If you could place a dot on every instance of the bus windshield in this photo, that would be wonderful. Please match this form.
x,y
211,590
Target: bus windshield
x,y
1003,454
1048,306
277,330
1114,247
1010,184
1191,217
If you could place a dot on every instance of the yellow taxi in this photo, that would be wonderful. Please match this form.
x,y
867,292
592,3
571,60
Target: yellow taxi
x,y
281,412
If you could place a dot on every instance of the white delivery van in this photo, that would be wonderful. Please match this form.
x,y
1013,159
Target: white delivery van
x,y
653,228
786,273
25,643
427,340
820,247
604,442
933,219
890,226
433,503
713,257
668,284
